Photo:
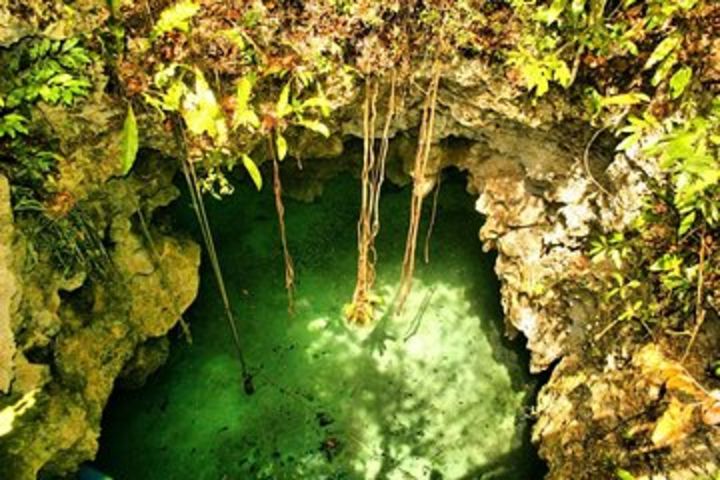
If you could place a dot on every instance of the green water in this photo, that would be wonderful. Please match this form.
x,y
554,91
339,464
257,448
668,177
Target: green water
x,y
435,393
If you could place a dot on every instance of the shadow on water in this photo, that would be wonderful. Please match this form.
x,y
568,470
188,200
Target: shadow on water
x,y
435,393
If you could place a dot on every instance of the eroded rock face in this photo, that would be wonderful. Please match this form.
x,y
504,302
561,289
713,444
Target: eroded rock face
x,y
530,170
539,234
50,18
8,288
76,335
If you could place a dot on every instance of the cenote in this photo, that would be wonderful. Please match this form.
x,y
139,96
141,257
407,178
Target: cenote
x,y
437,392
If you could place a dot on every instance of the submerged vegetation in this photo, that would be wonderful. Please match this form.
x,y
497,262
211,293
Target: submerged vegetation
x,y
219,85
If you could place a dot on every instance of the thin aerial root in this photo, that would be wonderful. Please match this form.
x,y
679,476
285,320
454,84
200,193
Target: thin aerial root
x,y
433,216
199,207
420,189
700,311
379,172
280,207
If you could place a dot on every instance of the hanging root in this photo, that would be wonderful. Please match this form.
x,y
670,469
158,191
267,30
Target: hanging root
x,y
277,189
433,216
361,310
420,189
700,311
199,207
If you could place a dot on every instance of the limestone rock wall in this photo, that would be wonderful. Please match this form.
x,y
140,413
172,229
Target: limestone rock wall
x,y
8,288
65,337
75,336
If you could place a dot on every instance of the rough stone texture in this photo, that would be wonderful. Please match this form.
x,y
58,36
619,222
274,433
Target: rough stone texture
x,y
52,18
148,357
8,288
542,199
90,333
604,415
527,166
76,335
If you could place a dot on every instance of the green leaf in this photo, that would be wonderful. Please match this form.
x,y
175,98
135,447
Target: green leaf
x,y
317,102
163,77
243,92
129,141
662,50
246,119
562,74
687,222
13,124
628,142
283,104
115,7
577,7
536,76
679,81
551,14
632,98
664,70
244,115
316,126
235,37
171,100
252,169
175,17
282,147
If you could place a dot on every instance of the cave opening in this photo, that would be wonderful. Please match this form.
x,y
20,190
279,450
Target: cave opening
x,y
436,392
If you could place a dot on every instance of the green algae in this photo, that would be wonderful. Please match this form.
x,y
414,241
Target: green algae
x,y
434,393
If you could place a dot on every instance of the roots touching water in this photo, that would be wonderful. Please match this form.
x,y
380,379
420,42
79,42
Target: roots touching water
x,y
277,190
360,311
420,188
199,207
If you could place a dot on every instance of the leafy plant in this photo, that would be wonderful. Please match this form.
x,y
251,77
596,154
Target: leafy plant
x,y
69,238
52,71
175,17
12,125
56,72
689,152
202,115
201,111
295,113
538,71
